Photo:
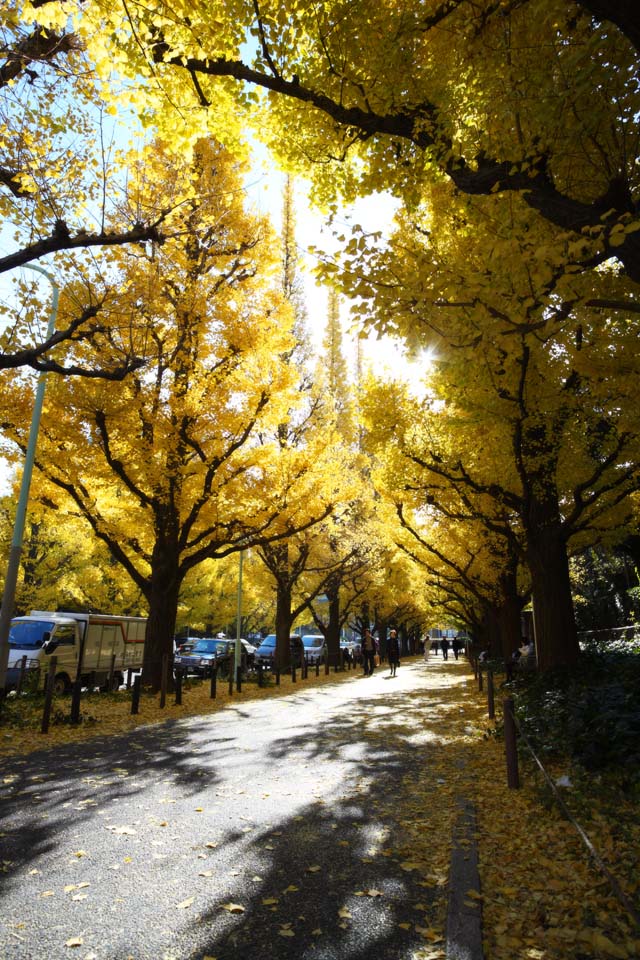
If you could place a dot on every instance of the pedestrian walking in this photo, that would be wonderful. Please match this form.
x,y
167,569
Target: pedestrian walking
x,y
393,651
455,646
426,643
444,643
368,652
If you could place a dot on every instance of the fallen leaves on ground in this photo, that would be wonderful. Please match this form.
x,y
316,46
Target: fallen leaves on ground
x,y
110,714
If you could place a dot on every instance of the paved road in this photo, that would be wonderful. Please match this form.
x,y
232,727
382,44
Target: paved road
x,y
140,846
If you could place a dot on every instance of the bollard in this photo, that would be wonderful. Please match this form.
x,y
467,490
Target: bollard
x,y
178,687
508,669
491,706
317,668
135,696
480,682
239,679
76,690
163,681
23,670
474,664
129,678
326,667
511,750
305,668
277,676
214,682
293,672
112,670
341,660
259,672
48,694
230,677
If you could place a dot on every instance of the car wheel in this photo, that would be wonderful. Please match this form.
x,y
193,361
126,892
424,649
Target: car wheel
x,y
61,684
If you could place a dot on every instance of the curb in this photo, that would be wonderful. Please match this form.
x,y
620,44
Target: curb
x,y
464,916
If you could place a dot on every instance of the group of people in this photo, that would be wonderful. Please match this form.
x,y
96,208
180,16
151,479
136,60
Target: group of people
x,y
371,652
456,645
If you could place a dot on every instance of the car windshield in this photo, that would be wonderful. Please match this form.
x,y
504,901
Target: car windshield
x,y
313,641
28,634
210,646
269,641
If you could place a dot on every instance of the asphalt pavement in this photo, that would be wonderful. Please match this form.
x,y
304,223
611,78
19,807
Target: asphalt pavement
x,y
260,831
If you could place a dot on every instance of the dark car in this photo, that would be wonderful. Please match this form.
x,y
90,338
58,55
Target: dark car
x,y
206,654
265,654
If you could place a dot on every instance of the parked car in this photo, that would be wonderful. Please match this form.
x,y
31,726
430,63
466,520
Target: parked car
x,y
206,653
186,646
265,654
315,648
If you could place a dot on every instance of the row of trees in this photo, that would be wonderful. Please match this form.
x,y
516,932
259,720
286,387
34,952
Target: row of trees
x,y
508,135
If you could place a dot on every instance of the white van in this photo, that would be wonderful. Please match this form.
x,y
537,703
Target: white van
x,y
94,637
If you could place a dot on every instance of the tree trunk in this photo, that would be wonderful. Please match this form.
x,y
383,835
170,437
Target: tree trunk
x,y
333,628
283,624
554,619
163,609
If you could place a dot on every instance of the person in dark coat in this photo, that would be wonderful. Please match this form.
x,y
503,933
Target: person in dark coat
x,y
444,643
393,651
369,650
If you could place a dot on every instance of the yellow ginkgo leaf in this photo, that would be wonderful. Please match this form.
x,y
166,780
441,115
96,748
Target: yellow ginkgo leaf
x,y
286,932
74,942
344,913
186,903
313,869
233,907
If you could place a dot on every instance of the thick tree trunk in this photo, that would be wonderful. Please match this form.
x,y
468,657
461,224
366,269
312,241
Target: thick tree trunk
x,y
333,628
162,598
283,625
554,619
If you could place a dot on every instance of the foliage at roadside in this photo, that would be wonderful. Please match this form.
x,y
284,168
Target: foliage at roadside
x,y
589,718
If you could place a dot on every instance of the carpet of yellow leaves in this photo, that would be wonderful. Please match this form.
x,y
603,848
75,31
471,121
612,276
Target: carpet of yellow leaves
x,y
542,897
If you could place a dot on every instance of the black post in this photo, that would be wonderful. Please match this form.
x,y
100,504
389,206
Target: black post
x,y
76,690
326,667
239,679
135,696
480,682
491,707
48,694
508,669
129,676
230,676
277,675
259,672
511,750
214,681
164,678
23,670
178,687
317,668
474,664
293,671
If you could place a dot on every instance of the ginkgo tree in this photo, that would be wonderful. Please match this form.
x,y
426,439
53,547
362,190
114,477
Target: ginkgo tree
x,y
530,420
167,469
64,150
535,100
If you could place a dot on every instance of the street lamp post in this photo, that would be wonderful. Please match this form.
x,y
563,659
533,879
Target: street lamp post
x,y
11,579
